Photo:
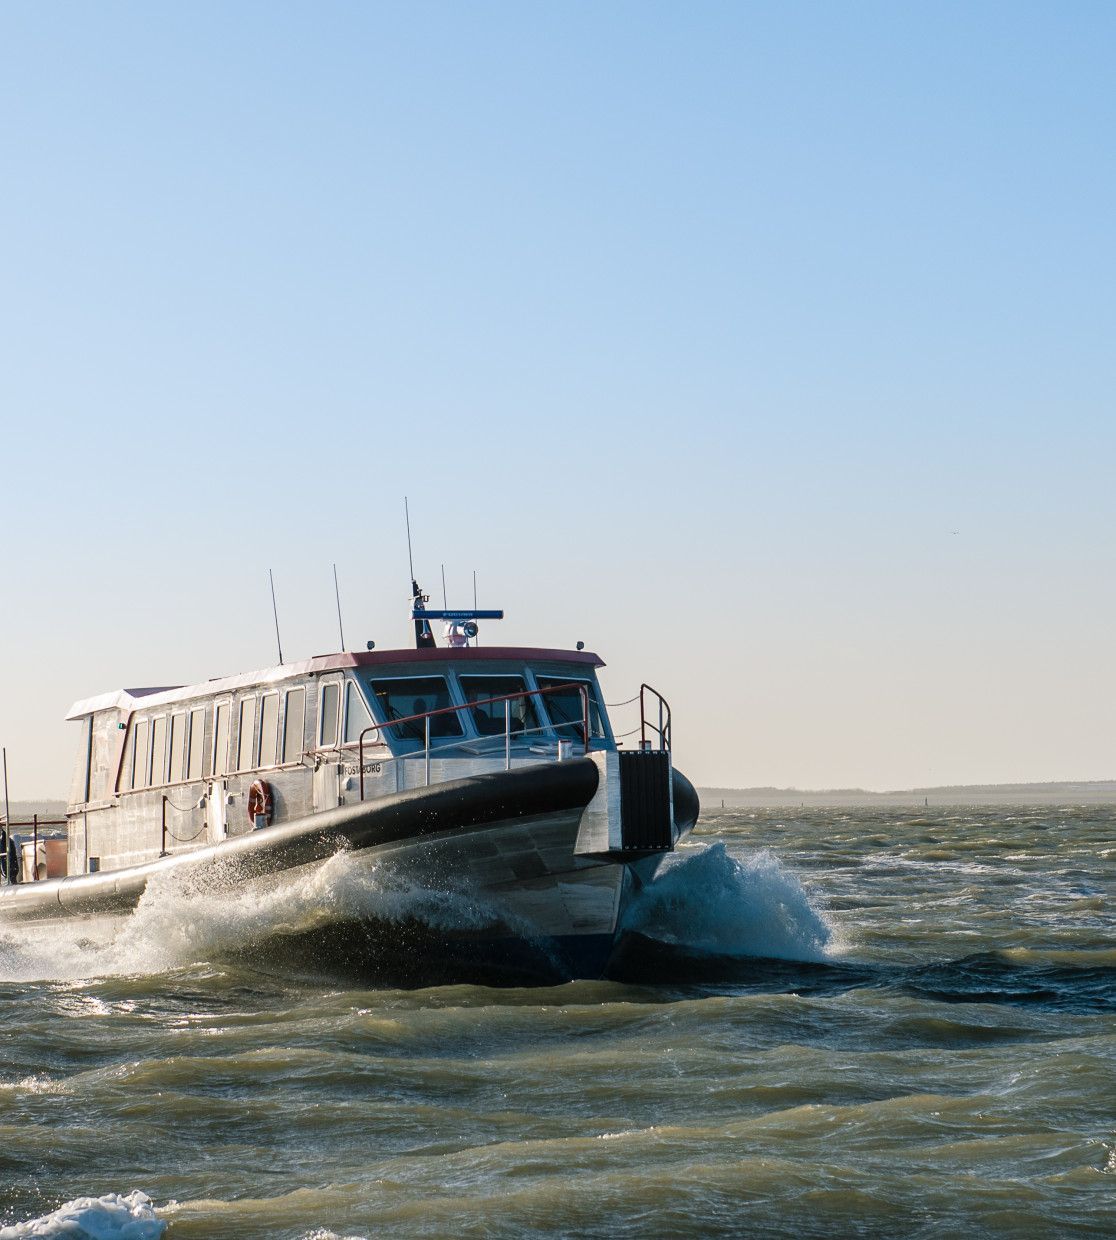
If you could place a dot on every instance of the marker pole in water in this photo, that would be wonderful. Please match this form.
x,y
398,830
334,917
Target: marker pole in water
x,y
7,824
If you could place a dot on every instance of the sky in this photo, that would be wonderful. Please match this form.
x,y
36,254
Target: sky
x,y
765,347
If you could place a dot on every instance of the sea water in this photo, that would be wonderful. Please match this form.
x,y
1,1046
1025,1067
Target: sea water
x,y
822,1023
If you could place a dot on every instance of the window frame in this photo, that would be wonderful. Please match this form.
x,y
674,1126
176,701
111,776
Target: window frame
x,y
353,686
192,710
542,722
183,717
261,700
337,680
595,699
162,717
241,702
281,738
224,773
465,723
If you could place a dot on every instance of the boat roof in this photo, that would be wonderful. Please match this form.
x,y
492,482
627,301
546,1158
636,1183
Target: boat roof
x,y
127,700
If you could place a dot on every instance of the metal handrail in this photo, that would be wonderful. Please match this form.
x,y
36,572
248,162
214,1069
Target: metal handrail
x,y
506,698
35,822
663,728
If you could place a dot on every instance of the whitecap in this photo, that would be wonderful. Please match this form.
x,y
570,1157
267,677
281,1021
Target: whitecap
x,y
111,1217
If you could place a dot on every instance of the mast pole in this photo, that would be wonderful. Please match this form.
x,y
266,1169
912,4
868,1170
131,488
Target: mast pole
x,y
423,635
7,825
337,596
410,557
275,613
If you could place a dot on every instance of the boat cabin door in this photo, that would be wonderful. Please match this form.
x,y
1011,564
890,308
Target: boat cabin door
x,y
327,785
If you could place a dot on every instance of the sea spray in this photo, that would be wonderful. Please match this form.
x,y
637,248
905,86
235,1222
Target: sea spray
x,y
111,1217
705,900
185,917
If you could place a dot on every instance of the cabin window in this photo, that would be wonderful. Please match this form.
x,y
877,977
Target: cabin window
x,y
564,706
357,717
221,738
159,750
489,719
177,748
244,739
330,700
80,789
293,722
269,728
416,695
141,757
195,759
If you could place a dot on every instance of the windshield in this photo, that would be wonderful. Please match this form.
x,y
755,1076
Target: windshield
x,y
414,695
489,719
565,707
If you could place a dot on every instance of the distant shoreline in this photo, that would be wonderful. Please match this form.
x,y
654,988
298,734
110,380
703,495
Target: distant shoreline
x,y
1093,792
1083,792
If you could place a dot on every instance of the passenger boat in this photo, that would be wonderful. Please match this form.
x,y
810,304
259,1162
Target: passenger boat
x,y
489,772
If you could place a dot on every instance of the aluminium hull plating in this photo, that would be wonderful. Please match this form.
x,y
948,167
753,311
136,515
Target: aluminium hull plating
x,y
502,843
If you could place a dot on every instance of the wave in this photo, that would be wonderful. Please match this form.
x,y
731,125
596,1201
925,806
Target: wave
x,y
111,1217
184,919
380,921
707,901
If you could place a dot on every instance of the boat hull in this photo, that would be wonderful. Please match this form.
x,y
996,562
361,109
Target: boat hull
x,y
519,902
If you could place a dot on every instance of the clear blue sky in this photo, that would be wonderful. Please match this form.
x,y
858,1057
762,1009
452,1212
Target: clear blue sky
x,y
696,329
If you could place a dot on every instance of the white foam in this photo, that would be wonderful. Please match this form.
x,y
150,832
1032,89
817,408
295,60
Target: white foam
x,y
183,919
326,1234
111,1217
705,899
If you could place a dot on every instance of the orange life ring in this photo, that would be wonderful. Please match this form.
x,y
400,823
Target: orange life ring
x,y
259,802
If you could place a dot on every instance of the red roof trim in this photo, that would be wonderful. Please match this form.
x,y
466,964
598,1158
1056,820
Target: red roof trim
x,y
448,654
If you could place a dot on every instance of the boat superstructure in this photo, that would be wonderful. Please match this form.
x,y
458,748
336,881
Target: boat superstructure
x,y
493,771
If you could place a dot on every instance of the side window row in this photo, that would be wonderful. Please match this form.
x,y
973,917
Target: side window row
x,y
172,748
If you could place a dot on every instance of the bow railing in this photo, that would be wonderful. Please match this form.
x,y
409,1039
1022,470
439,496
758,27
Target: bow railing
x,y
649,699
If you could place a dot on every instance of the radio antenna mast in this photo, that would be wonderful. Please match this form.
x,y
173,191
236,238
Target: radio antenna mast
x,y
8,876
476,640
410,557
423,636
337,596
445,599
275,613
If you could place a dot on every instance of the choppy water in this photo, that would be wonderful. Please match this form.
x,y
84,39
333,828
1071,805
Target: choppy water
x,y
832,1023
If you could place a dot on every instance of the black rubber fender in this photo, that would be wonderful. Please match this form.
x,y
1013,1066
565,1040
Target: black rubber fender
x,y
687,805
478,801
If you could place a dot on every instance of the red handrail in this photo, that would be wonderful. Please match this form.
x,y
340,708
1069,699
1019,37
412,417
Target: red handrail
x,y
582,689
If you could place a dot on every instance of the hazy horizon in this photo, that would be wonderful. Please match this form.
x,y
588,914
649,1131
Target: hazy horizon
x,y
766,349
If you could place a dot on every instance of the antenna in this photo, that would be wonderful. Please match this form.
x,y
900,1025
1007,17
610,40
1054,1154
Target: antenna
x,y
445,600
275,613
423,636
337,596
410,558
476,640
